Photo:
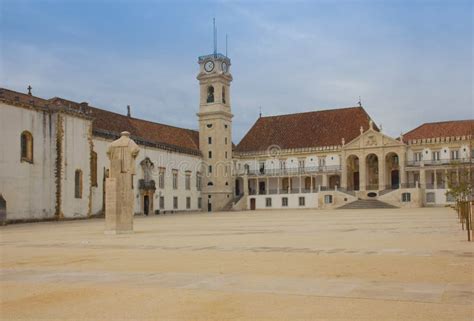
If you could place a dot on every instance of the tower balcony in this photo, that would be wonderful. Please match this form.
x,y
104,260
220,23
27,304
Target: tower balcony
x,y
216,56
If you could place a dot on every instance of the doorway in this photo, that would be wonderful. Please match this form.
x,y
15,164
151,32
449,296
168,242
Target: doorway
x,y
261,188
395,176
252,204
146,205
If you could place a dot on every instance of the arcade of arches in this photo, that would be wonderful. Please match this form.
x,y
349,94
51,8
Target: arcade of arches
x,y
372,172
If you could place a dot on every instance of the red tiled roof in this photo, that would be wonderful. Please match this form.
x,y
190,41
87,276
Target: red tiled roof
x,y
109,124
454,128
303,130
106,122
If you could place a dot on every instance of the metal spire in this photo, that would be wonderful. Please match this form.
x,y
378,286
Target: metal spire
x,y
215,36
360,102
226,45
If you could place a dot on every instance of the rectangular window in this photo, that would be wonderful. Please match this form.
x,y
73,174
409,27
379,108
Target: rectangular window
x,y
430,197
162,202
209,140
454,154
198,181
262,167
226,155
284,201
225,140
435,156
187,182
175,202
175,179
418,156
94,169
199,202
282,164
406,197
161,178
78,184
209,169
322,161
188,202
327,199
301,163
302,201
268,202
210,154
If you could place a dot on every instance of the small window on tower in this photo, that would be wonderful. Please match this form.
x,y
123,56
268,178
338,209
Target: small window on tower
x,y
223,95
210,94
209,140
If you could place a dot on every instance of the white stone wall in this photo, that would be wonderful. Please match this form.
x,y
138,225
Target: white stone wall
x,y
311,201
76,156
28,188
160,158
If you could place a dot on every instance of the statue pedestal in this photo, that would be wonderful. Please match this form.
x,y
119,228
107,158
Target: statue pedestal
x,y
118,187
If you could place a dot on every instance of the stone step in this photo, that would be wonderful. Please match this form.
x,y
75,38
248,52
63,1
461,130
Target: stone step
x,y
367,204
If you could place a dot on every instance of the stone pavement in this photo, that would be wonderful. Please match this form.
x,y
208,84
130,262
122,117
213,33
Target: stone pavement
x,y
264,265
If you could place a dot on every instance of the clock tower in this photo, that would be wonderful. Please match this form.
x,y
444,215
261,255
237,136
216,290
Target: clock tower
x,y
215,131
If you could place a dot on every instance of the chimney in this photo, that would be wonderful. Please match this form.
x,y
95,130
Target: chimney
x,y
128,111
83,106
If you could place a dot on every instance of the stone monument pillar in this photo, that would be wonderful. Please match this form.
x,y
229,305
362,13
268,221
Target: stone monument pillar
x,y
3,210
119,190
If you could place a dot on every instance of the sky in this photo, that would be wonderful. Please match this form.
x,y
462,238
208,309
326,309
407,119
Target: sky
x,y
411,62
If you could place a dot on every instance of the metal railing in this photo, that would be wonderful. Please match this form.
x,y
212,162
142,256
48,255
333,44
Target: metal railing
x,y
290,171
435,162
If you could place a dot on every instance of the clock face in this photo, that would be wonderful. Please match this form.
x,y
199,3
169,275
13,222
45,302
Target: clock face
x,y
224,67
209,66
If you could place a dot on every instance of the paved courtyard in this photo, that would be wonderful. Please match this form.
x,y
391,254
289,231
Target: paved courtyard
x,y
263,265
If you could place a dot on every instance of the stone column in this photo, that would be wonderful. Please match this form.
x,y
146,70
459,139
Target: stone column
x,y
401,167
325,180
278,185
267,186
362,173
422,176
246,185
119,192
381,163
311,183
343,172
446,179
435,181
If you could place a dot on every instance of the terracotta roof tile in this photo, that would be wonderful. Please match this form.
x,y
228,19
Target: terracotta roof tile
x,y
182,139
303,130
111,124
442,129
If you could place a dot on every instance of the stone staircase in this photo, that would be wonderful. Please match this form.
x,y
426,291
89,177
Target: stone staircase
x,y
366,204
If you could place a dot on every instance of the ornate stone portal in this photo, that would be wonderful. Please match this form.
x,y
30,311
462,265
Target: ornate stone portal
x,y
119,185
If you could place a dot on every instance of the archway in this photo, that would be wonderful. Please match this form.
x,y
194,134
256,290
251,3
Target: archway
x,y
392,173
372,170
334,180
352,173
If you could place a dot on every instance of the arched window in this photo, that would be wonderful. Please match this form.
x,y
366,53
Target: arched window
x,y
223,94
78,184
26,147
210,184
210,94
94,168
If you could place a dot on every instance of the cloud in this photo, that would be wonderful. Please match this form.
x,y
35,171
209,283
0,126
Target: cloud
x,y
286,58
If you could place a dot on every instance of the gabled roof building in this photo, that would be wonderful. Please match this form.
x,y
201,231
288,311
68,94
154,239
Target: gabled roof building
x,y
53,162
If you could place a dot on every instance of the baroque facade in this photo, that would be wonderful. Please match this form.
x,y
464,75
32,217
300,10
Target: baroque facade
x,y
53,161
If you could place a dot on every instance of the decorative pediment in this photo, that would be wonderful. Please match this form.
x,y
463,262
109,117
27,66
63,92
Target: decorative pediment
x,y
372,139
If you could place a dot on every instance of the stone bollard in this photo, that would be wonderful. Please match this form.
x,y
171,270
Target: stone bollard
x,y
118,187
